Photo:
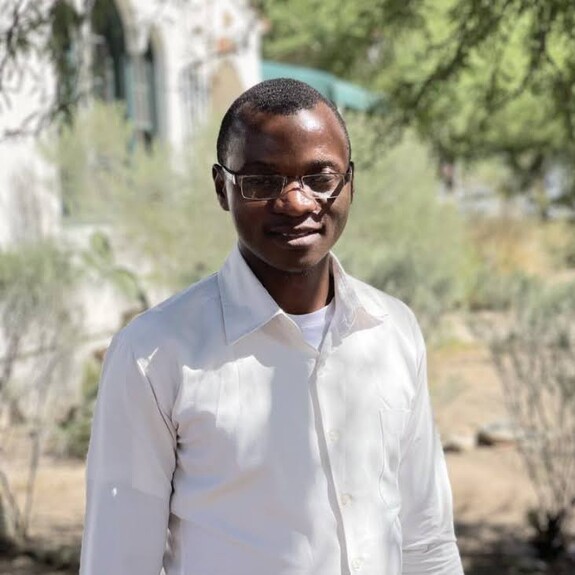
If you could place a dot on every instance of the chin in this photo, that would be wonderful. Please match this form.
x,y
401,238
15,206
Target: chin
x,y
296,263
290,261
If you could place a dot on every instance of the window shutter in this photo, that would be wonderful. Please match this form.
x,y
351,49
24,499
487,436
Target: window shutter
x,y
140,94
103,70
128,83
196,96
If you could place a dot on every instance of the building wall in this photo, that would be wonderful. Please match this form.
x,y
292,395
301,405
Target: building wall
x,y
202,49
215,43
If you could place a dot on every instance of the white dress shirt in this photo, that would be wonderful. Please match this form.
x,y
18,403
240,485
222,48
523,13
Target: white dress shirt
x,y
224,444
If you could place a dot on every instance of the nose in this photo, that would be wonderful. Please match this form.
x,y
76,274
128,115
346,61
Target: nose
x,y
295,200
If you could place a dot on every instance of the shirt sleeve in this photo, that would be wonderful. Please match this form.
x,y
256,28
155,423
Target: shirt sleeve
x,y
129,471
429,545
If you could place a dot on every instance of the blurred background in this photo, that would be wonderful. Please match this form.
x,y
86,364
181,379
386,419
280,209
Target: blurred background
x,y
462,120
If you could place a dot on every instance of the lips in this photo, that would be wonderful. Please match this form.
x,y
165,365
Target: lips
x,y
294,231
301,236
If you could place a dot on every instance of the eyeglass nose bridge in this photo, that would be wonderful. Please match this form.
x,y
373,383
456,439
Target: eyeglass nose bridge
x,y
302,187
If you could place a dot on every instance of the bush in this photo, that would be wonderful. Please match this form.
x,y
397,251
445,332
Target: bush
x,y
37,328
160,205
535,356
495,290
564,246
72,435
402,237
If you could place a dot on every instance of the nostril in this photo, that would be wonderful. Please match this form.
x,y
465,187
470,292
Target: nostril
x,y
299,194
296,201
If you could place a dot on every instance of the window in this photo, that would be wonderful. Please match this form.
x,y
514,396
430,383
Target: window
x,y
108,52
65,23
141,94
196,92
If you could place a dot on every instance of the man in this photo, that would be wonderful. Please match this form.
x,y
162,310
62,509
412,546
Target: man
x,y
274,418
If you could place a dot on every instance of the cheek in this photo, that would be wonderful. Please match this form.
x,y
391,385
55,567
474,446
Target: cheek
x,y
340,214
339,226
246,217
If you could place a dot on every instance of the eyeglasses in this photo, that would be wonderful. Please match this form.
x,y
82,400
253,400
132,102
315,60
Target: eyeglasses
x,y
270,187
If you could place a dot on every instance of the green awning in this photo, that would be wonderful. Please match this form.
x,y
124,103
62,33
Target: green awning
x,y
344,95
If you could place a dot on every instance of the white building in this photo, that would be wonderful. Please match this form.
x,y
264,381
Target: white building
x,y
170,61
173,63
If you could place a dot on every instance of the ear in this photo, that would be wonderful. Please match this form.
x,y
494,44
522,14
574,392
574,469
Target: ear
x,y
351,182
220,187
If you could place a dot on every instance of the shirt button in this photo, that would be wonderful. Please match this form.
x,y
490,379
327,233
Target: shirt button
x,y
357,563
333,435
346,499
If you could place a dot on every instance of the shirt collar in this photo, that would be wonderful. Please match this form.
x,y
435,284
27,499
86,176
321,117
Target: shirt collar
x,y
354,300
247,305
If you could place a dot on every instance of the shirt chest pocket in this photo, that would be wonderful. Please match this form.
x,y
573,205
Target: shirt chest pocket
x,y
208,407
227,421
392,424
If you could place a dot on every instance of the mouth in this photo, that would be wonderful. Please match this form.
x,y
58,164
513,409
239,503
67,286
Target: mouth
x,y
296,237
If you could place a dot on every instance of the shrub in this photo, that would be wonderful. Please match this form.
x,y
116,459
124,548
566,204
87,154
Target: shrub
x,y
37,328
160,205
401,236
535,356
495,290
72,435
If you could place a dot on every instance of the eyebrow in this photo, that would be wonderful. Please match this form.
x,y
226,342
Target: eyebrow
x,y
265,166
312,167
319,165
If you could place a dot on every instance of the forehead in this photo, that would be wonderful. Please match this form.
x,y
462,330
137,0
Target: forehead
x,y
308,135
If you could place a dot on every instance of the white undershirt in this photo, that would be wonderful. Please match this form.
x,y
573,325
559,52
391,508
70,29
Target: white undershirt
x,y
314,325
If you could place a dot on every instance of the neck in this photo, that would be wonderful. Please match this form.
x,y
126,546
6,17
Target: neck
x,y
296,292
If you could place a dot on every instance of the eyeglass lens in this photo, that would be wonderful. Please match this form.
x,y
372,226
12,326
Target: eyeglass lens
x,y
260,187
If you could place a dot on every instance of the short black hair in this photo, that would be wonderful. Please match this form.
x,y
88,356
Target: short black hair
x,y
280,96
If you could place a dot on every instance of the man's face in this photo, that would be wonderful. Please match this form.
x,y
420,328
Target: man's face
x,y
294,232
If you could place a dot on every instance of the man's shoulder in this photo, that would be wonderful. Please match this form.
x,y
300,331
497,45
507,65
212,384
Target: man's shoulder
x,y
193,307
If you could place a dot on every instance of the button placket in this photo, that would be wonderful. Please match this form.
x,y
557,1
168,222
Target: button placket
x,y
326,394
331,433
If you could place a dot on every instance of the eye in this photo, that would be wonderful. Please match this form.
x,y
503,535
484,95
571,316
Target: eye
x,y
322,182
261,186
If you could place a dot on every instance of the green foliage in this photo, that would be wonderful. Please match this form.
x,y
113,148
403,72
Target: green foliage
x,y
534,351
547,311
312,33
101,260
401,237
475,79
37,319
34,281
37,326
72,435
567,250
160,204
495,290
93,155
36,35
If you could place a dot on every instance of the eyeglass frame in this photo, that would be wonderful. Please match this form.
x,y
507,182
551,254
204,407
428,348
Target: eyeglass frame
x,y
345,178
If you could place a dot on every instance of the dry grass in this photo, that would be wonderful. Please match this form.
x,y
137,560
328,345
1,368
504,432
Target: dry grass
x,y
509,244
